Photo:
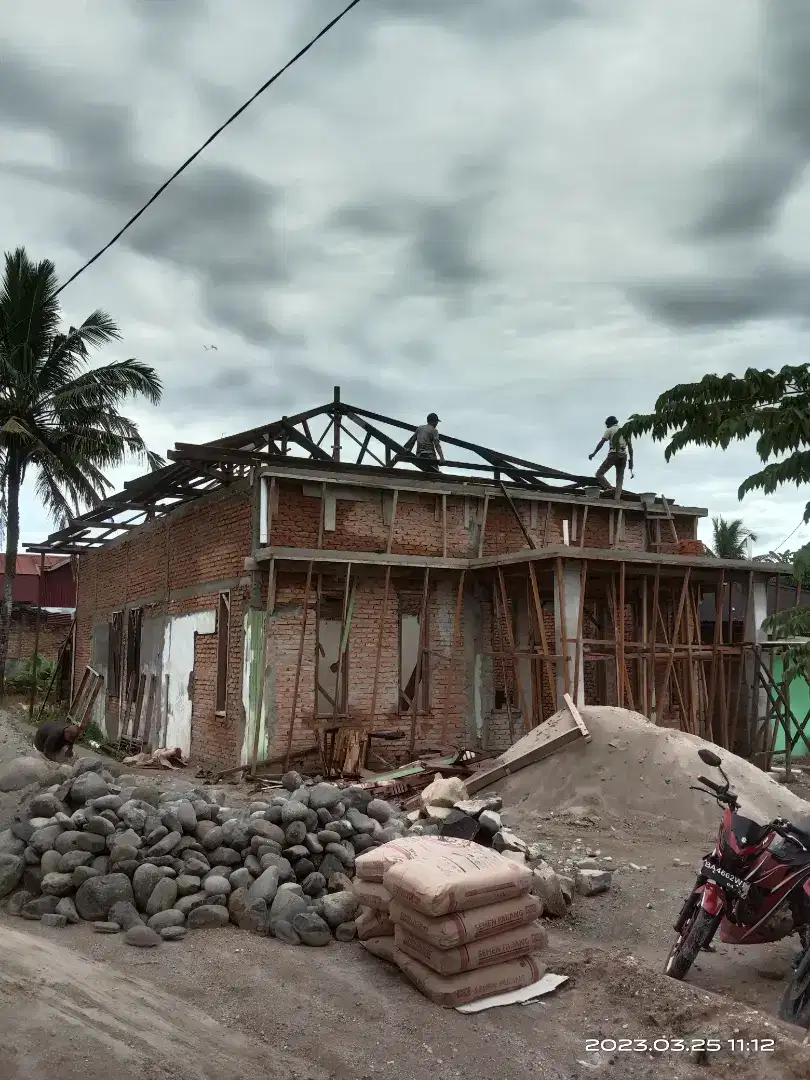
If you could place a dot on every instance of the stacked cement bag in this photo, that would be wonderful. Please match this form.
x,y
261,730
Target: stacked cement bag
x,y
465,924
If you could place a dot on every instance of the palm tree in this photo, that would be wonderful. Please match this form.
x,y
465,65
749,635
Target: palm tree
x,y
59,417
731,538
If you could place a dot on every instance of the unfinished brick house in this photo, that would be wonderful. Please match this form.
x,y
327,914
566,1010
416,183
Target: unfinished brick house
x,y
311,592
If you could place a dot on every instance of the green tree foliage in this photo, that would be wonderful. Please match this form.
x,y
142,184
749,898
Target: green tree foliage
x,y
772,407
60,419
730,538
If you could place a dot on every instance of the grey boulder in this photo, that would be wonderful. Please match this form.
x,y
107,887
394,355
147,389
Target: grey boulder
x,y
96,896
125,914
67,908
311,929
57,884
207,916
144,880
142,936
325,796
164,919
163,896
339,908
12,868
87,787
286,905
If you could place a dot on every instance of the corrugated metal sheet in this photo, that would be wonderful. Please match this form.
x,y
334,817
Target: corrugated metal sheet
x,y
59,588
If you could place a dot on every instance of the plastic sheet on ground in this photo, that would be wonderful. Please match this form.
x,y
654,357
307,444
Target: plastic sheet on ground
x,y
525,996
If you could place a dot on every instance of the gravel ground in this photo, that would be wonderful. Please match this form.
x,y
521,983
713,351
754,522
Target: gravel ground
x,y
225,1003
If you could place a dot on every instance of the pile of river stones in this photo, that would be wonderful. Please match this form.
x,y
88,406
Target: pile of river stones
x,y
154,864
129,857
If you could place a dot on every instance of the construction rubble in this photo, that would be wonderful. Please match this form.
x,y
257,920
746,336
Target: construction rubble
x,y
153,862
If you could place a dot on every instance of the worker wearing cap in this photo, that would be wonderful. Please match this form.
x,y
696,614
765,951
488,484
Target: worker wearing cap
x,y
424,442
620,454
427,439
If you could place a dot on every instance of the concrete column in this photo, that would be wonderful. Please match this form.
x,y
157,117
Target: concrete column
x,y
757,613
569,602
477,667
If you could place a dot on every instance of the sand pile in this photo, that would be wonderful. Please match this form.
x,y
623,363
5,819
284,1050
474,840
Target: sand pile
x,y
635,772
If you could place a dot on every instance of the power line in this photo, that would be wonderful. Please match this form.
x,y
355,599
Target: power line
x,y
195,155
778,546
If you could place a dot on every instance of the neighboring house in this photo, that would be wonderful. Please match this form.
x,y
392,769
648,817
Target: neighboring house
x,y
56,592
455,606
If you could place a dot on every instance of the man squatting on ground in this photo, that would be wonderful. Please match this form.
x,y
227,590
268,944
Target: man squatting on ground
x,y
55,739
619,454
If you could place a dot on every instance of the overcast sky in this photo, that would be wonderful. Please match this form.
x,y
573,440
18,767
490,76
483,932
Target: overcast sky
x,y
524,214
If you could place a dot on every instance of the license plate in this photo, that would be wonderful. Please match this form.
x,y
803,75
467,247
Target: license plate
x,y
722,877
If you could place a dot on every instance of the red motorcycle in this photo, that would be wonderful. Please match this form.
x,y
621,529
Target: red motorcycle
x,y
754,886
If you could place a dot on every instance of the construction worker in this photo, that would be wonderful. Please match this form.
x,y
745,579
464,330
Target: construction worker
x,y
55,739
425,442
620,454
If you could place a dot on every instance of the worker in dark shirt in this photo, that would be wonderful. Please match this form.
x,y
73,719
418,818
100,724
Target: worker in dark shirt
x,y
55,739
425,442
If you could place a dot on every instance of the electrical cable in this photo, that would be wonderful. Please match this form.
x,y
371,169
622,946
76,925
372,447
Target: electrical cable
x,y
194,156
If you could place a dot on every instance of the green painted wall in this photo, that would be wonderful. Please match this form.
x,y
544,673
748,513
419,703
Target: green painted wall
x,y
799,706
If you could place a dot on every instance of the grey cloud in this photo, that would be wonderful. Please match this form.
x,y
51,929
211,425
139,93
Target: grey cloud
x,y
498,18
215,221
749,187
768,289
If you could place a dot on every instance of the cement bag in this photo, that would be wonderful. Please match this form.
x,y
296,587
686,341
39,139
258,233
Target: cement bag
x,y
373,923
451,931
371,895
443,792
371,865
457,881
492,950
452,990
381,946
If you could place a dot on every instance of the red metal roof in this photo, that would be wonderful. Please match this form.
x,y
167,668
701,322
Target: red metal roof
x,y
58,586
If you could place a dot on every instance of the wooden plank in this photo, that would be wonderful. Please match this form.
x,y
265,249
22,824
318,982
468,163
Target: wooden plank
x,y
563,627
527,720
483,527
453,640
741,671
444,526
579,658
645,673
575,713
620,628
541,628
676,628
496,607
584,523
718,641
417,682
547,523
546,740
517,517
653,640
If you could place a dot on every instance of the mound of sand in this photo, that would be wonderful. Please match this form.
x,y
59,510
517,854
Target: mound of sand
x,y
634,772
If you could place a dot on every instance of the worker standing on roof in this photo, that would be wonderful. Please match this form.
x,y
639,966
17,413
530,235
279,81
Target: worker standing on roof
x,y
425,442
620,454
427,439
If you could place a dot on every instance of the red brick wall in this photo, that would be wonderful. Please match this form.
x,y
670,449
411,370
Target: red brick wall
x,y
52,633
203,543
418,525
283,654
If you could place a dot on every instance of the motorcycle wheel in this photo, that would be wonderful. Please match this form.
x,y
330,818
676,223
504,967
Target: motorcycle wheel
x,y
698,932
795,1004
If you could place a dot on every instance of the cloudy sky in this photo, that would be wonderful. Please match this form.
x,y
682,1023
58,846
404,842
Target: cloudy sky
x,y
524,214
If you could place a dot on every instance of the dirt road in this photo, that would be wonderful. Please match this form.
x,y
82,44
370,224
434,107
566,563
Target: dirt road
x,y
224,1004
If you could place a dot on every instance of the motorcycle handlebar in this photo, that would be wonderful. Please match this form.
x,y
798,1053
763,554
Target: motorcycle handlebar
x,y
711,784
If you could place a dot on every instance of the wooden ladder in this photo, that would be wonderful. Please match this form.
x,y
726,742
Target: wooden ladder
x,y
656,515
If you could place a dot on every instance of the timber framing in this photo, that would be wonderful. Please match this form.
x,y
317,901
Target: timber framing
x,y
292,447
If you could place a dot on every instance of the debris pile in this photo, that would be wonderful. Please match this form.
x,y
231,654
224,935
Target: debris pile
x,y
128,856
458,920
